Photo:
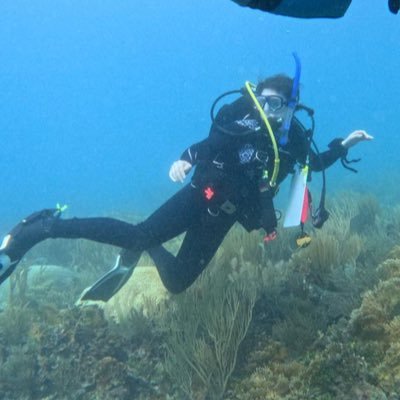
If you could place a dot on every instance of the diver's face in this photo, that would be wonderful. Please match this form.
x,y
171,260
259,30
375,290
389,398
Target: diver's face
x,y
275,106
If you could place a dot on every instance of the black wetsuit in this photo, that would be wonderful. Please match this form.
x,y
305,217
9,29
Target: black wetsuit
x,y
225,188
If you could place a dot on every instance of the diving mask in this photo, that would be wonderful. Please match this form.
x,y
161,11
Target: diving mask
x,y
273,102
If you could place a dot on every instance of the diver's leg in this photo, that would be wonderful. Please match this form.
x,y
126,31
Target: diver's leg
x,y
45,224
199,246
169,220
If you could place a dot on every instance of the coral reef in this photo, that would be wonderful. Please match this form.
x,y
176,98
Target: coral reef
x,y
78,357
205,329
143,292
262,322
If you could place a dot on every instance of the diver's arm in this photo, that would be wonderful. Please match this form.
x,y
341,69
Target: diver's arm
x,y
338,148
232,120
323,160
191,156
197,152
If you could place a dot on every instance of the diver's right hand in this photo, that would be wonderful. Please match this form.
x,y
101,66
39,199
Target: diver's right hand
x,y
179,169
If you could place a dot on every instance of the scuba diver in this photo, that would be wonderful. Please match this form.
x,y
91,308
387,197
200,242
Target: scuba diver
x,y
254,143
307,8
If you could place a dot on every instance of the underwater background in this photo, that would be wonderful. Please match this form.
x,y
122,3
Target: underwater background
x,y
97,100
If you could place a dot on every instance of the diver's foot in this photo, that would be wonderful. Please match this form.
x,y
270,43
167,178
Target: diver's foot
x,y
23,237
110,283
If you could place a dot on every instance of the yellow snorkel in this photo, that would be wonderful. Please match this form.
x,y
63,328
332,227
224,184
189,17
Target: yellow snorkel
x,y
250,88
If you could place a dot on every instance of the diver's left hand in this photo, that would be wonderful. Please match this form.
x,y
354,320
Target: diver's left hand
x,y
356,137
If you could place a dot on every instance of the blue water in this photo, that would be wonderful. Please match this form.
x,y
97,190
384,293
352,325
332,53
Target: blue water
x,y
98,98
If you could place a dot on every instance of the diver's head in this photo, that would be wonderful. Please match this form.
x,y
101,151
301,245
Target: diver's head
x,y
274,94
